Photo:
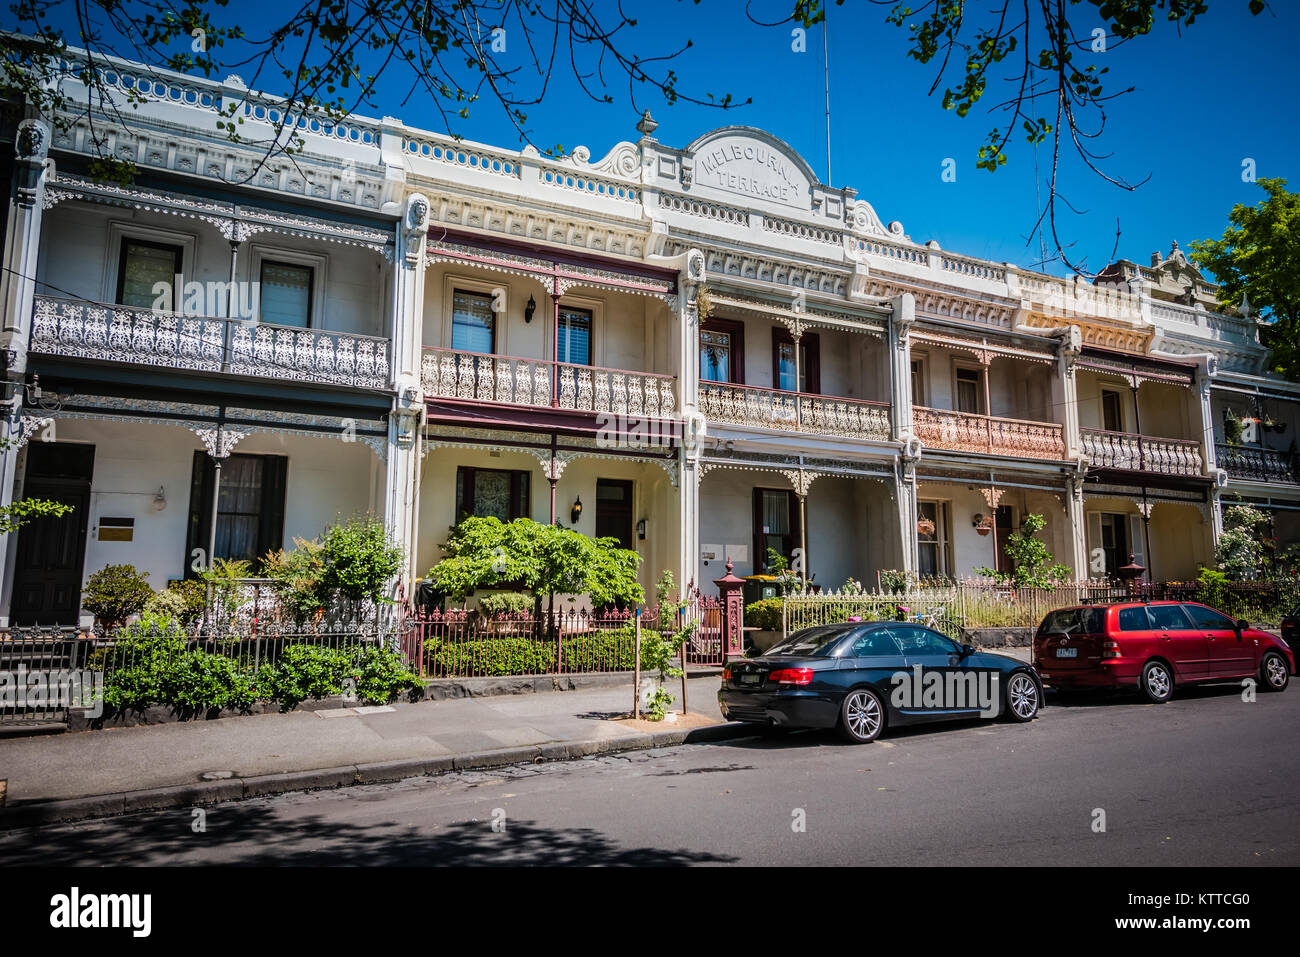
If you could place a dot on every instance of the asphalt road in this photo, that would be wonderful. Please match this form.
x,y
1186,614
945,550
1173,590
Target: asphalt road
x,y
1205,780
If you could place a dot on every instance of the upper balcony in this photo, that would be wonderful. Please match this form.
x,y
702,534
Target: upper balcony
x,y
1141,453
75,329
477,377
1259,465
794,411
991,435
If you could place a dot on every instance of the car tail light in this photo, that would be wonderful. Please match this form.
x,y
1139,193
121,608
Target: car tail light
x,y
1110,648
792,676
726,674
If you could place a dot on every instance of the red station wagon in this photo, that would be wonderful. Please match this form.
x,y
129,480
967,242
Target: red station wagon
x,y
1155,646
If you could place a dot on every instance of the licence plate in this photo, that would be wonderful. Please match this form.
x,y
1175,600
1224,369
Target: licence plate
x,y
750,679
1067,652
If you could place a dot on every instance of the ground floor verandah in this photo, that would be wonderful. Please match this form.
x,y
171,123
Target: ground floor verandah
x,y
143,482
601,487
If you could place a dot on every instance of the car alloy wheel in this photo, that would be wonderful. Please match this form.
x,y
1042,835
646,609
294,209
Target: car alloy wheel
x,y
1022,697
1157,683
861,716
1275,673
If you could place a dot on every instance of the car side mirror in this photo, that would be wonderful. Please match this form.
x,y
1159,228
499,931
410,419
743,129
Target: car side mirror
x,y
967,650
1242,625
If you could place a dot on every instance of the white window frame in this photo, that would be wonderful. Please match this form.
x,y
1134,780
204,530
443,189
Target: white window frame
x,y
119,230
943,534
260,253
453,281
922,375
980,372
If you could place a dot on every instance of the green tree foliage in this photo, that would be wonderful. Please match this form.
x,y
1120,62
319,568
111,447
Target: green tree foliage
x,y
115,593
330,59
300,573
360,560
17,514
1259,258
542,559
1032,564
1043,62
1240,552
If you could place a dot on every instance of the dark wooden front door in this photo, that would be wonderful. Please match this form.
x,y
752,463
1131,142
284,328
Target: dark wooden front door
x,y
51,551
614,511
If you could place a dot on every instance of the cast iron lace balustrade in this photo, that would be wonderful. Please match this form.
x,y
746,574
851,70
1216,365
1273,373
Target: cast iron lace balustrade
x,y
1141,453
797,412
456,374
1259,465
208,344
994,435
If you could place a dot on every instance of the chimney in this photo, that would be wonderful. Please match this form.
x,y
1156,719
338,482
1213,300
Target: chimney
x,y
1155,258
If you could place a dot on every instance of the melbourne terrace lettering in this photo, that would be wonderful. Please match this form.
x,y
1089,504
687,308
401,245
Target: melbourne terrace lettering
x,y
753,169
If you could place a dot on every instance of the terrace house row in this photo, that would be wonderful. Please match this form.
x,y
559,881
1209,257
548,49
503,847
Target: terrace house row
x,y
702,351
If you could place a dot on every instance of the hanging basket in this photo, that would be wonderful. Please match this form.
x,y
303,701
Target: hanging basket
x,y
925,527
984,527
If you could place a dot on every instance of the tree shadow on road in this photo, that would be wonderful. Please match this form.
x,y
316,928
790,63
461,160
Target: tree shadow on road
x,y
257,835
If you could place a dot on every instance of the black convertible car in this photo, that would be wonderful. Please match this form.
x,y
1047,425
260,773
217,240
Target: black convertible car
x,y
861,677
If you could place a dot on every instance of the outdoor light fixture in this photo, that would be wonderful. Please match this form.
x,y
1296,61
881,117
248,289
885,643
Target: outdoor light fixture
x,y
640,529
530,309
576,512
160,499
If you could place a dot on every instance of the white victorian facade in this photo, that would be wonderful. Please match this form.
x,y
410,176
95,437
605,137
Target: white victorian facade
x,y
701,351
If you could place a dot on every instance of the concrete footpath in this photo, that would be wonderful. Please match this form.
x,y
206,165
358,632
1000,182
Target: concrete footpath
x,y
119,770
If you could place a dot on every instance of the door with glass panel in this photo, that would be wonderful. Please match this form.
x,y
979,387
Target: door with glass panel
x,y
933,536
776,526
474,329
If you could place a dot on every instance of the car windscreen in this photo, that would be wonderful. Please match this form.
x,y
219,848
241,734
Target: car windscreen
x,y
1074,621
816,642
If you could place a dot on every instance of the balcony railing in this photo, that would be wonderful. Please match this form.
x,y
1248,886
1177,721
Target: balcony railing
x,y
1259,465
796,412
456,374
1141,453
203,344
993,435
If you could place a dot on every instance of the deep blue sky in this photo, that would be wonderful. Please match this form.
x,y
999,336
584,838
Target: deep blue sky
x,y
1226,90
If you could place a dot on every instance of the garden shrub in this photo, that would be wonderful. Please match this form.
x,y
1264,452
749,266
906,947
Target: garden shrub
x,y
115,593
506,603
765,614
312,671
301,672
613,650
380,673
183,601
200,681
300,573
359,560
491,657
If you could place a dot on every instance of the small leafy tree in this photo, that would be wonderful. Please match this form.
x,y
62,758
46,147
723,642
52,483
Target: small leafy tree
x,y
663,642
360,560
1032,564
1240,552
115,593
546,560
